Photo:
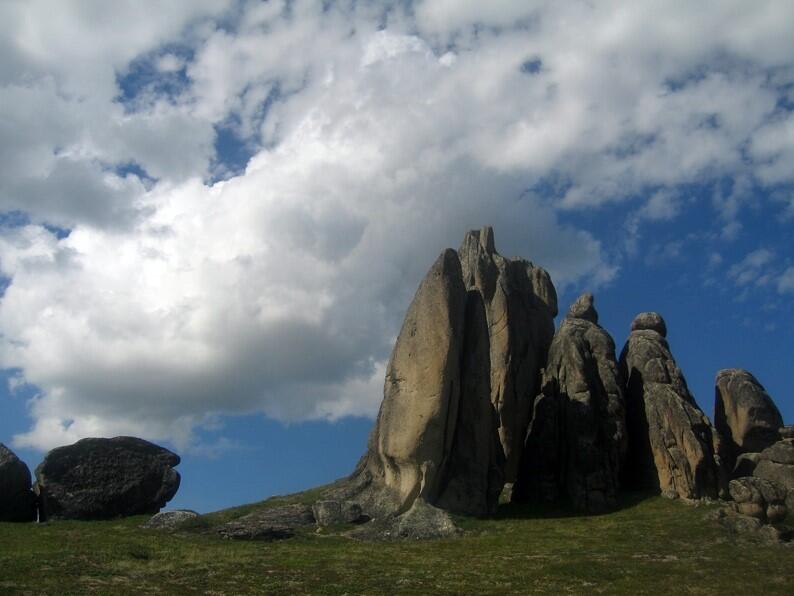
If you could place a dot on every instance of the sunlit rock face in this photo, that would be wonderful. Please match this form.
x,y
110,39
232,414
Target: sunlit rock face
x,y
671,441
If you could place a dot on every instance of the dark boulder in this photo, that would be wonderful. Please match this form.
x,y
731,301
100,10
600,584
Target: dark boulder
x,y
328,513
744,413
277,523
17,501
106,478
577,438
671,442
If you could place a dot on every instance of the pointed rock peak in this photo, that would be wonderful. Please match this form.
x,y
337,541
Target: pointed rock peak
x,y
482,237
583,309
649,320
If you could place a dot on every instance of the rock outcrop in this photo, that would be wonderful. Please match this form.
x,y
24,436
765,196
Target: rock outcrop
x,y
106,478
17,501
577,438
170,520
744,413
276,523
759,498
776,463
671,442
328,513
520,305
435,437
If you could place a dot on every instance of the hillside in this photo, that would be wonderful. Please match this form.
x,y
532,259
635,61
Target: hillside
x,y
649,544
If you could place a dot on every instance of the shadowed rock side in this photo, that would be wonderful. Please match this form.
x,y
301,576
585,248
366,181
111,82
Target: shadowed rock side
x,y
106,478
744,413
520,305
435,437
671,442
17,501
577,439
776,464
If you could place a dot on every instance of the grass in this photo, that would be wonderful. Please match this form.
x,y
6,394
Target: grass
x,y
650,545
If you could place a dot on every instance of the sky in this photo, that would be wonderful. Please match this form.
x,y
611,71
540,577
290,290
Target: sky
x,y
214,214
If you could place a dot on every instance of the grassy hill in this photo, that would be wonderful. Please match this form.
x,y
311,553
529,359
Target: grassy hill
x,y
650,545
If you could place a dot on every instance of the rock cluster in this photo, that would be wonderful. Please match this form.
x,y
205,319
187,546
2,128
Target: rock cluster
x,y
481,394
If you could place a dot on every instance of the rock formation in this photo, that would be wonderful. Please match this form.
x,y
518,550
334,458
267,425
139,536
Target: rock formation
x,y
170,520
671,443
277,523
520,306
17,501
776,463
759,498
577,439
436,397
106,478
744,413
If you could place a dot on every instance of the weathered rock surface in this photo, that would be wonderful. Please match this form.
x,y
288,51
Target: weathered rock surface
x,y
17,501
577,439
170,520
671,442
744,413
277,523
520,305
421,522
328,513
759,498
436,434
106,478
776,463
745,465
750,529
787,431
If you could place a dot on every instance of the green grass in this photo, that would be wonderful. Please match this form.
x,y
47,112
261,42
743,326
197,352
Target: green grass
x,y
649,546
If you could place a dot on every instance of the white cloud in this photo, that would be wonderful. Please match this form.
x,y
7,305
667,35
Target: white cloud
x,y
752,267
379,136
785,282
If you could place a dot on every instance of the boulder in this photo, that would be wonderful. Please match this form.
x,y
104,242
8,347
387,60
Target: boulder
x,y
672,446
744,413
436,437
328,513
577,438
520,305
787,431
17,501
421,522
276,523
750,529
170,520
106,478
776,463
759,498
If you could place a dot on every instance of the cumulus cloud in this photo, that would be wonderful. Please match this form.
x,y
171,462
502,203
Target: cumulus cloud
x,y
378,135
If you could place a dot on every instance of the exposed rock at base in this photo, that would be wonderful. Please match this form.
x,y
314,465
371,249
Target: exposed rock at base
x,y
745,465
328,513
17,501
106,478
170,520
277,523
436,434
421,522
787,431
577,439
759,498
776,463
750,529
671,442
744,413
520,305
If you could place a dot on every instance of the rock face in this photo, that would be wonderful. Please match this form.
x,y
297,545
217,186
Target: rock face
x,y
106,478
759,498
328,513
671,442
744,414
577,439
520,305
435,439
17,501
776,463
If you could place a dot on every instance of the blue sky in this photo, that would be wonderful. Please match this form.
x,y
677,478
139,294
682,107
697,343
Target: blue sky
x,y
213,215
